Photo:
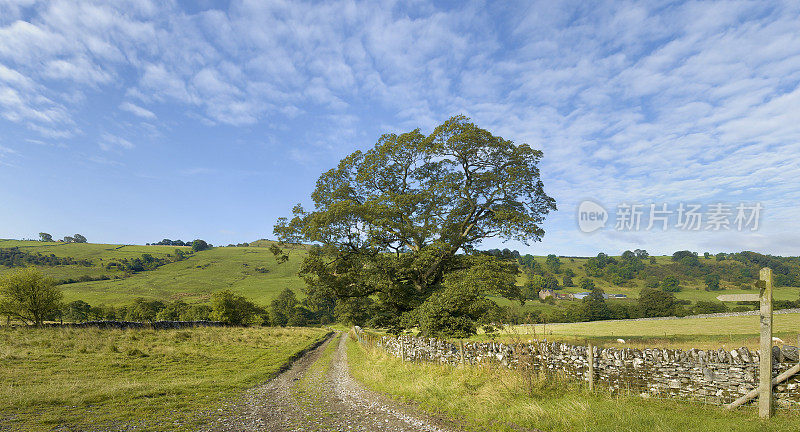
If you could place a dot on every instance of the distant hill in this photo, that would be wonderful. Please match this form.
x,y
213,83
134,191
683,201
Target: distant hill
x,y
103,273
250,271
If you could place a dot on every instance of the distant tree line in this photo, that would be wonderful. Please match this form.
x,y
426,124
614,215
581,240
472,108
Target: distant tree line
x,y
168,242
15,257
197,245
77,238
146,262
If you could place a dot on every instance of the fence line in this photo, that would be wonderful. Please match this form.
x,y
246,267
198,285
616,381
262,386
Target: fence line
x,y
709,376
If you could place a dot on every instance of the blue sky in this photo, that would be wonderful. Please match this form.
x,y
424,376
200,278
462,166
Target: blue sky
x,y
137,121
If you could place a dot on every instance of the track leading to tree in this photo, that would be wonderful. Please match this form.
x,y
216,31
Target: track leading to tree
x,y
318,394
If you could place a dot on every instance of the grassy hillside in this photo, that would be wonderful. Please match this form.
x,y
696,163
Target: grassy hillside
x,y
250,271
253,272
91,379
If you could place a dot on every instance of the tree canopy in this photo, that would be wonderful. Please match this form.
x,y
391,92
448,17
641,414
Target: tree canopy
x,y
27,295
400,223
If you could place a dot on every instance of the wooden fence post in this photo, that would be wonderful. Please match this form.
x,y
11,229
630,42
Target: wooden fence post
x,y
590,358
765,399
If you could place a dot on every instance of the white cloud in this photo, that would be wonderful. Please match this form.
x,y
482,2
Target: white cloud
x,y
110,142
137,110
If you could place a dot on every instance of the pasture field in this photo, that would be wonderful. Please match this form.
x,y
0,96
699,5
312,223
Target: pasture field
x,y
151,380
249,271
488,398
714,332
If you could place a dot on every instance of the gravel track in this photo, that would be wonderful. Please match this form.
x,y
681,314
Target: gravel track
x,y
308,398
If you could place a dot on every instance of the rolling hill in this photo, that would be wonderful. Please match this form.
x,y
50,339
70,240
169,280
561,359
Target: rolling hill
x,y
253,272
249,271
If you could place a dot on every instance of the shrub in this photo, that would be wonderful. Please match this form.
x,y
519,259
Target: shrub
x,y
234,309
29,296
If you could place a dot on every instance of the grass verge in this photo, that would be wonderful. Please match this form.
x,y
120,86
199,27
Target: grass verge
x,y
501,400
150,380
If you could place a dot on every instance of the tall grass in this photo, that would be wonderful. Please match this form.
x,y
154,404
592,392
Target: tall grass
x,y
498,399
155,380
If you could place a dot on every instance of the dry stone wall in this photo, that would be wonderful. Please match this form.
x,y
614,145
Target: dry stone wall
x,y
712,376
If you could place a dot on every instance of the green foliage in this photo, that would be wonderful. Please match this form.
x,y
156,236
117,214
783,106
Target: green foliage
x,y
655,303
537,283
283,308
15,257
395,222
712,282
144,310
671,284
79,238
175,311
707,307
234,309
200,245
594,306
78,311
29,296
45,237
553,263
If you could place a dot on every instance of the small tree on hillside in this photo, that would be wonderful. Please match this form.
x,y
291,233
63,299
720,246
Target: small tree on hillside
x,y
79,238
554,263
27,295
45,237
199,245
671,284
68,239
712,282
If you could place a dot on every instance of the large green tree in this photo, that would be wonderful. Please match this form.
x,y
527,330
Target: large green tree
x,y
399,223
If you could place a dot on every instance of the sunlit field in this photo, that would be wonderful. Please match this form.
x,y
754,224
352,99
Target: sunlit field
x,y
143,379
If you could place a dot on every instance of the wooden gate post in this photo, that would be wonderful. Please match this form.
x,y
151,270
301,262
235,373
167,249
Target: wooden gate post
x,y
590,358
766,404
765,399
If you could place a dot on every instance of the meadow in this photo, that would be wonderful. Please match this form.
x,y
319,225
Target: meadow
x,y
150,380
489,398
249,271
684,333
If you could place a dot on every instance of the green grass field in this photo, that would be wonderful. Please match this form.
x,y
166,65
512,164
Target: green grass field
x,y
716,332
192,280
151,380
487,398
